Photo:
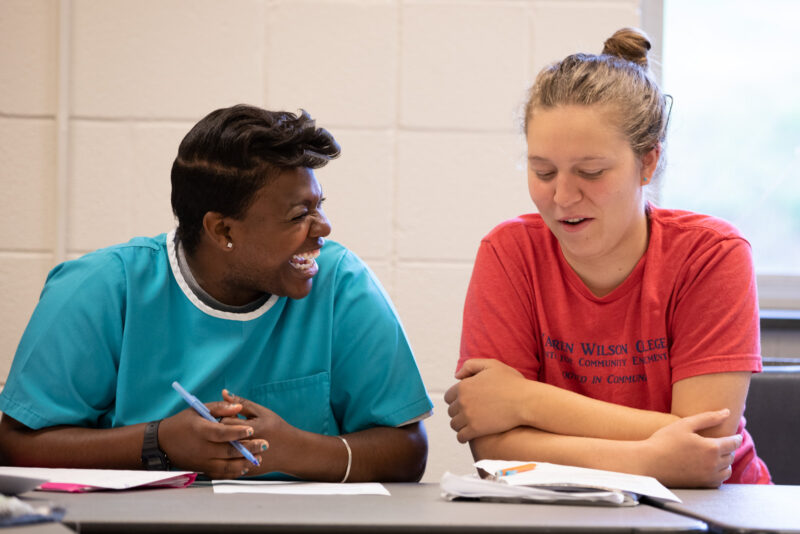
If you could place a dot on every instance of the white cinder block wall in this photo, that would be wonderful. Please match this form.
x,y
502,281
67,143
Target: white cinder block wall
x,y
422,94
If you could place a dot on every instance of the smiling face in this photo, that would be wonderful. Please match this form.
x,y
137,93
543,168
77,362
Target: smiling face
x,y
277,239
586,182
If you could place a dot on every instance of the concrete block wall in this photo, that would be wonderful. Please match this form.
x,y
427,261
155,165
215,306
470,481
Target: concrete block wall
x,y
423,95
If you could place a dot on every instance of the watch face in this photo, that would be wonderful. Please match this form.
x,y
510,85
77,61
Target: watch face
x,y
155,460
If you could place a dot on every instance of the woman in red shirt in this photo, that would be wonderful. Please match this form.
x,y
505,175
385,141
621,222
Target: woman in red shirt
x,y
603,331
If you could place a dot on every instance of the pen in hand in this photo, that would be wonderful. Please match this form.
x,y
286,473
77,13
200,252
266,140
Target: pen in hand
x,y
200,408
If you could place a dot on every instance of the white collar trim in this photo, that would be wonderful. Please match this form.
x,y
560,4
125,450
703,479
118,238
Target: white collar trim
x,y
199,304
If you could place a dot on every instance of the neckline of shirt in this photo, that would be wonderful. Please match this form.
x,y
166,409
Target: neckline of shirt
x,y
205,302
633,278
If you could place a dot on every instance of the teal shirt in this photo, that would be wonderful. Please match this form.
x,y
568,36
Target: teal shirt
x,y
113,330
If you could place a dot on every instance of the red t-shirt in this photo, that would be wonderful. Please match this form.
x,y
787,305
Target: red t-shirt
x,y
688,308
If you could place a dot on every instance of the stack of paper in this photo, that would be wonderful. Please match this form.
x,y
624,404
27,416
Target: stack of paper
x,y
552,483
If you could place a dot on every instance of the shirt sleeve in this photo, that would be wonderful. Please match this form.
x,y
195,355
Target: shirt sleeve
x,y
498,317
64,370
715,324
375,379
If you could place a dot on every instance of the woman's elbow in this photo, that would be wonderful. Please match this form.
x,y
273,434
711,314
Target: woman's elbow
x,y
416,455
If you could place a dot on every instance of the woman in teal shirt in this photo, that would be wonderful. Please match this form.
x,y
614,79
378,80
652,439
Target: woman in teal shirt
x,y
245,297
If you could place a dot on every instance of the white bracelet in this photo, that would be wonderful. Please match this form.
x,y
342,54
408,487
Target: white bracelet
x,y
349,459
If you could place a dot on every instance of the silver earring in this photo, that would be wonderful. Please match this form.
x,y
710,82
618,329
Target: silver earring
x,y
230,245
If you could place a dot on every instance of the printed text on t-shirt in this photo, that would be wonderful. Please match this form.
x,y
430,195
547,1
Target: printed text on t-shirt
x,y
576,360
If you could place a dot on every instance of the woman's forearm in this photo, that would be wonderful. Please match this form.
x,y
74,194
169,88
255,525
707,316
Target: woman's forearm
x,y
525,443
676,454
67,446
383,454
492,397
559,411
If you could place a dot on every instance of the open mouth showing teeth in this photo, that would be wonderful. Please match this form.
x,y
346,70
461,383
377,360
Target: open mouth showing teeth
x,y
573,221
305,261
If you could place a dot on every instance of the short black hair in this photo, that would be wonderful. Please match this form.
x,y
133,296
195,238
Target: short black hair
x,y
232,153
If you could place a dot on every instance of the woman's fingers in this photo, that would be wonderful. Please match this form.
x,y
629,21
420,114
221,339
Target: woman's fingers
x,y
451,394
703,420
248,407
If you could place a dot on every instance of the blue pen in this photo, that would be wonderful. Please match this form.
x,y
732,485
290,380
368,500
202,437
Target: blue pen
x,y
200,408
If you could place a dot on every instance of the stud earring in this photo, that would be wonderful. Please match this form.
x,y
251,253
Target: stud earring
x,y
645,180
230,245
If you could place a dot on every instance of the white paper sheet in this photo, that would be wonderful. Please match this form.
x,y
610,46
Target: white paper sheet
x,y
547,474
298,488
116,479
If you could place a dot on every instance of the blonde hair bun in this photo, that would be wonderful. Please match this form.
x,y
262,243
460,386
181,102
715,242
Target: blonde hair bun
x,y
630,44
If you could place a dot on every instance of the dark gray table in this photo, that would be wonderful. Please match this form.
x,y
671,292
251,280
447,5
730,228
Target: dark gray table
x,y
743,508
411,508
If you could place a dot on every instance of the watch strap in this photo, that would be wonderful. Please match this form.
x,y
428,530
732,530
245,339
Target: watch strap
x,y
153,458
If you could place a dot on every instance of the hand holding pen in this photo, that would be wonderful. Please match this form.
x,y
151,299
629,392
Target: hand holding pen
x,y
204,444
200,408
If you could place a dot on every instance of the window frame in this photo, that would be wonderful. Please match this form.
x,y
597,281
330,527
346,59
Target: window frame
x,y
774,292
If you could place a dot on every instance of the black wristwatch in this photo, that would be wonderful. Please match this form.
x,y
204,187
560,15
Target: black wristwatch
x,y
153,458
